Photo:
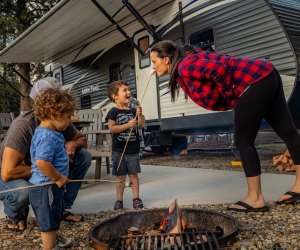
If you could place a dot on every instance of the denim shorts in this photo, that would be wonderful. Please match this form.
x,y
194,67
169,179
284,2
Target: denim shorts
x,y
47,204
130,164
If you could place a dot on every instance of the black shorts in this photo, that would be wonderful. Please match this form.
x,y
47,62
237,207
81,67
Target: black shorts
x,y
130,164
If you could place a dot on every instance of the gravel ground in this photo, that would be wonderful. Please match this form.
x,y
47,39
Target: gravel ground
x,y
210,158
279,227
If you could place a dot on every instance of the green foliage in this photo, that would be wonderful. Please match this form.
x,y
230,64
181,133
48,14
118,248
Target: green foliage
x,y
9,99
15,17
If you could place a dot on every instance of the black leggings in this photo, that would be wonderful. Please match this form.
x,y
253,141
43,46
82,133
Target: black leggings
x,y
263,100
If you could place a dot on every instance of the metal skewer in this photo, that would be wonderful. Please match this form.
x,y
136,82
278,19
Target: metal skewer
x,y
127,184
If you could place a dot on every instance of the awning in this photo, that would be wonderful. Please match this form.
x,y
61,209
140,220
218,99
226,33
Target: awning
x,y
74,29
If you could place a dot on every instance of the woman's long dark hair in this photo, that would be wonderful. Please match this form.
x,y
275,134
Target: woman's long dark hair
x,y
175,54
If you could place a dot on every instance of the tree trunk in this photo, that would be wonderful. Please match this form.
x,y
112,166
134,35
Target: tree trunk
x,y
24,70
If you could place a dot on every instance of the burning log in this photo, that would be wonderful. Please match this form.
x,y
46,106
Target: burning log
x,y
174,223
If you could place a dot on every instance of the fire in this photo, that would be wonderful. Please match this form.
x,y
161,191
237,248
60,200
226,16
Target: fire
x,y
163,227
183,224
174,229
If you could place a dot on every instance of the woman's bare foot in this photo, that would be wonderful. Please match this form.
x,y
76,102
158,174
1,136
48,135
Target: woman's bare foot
x,y
253,203
287,197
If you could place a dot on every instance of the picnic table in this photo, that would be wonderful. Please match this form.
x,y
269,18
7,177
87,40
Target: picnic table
x,y
99,140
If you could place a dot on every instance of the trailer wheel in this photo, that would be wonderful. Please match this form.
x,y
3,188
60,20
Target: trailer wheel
x,y
179,143
159,149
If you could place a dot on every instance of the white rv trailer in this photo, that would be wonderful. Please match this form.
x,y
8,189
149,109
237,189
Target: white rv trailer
x,y
93,42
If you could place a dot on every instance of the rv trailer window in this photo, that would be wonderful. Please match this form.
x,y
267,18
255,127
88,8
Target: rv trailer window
x,y
114,72
85,102
203,39
58,73
143,44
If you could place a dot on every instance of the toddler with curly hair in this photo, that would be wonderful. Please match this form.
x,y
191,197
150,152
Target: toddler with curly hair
x,y
50,161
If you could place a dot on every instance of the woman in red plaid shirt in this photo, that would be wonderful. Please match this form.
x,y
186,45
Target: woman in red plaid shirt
x,y
252,88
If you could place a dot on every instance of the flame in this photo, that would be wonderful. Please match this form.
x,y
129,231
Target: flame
x,y
164,224
183,224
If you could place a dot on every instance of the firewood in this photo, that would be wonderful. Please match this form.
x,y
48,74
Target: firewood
x,y
288,169
277,160
284,159
175,226
174,218
283,162
287,153
279,167
293,168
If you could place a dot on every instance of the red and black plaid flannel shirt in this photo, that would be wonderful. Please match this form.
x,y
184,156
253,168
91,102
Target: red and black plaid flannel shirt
x,y
215,82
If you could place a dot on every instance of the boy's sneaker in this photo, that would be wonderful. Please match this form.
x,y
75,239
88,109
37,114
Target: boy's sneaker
x,y
137,203
118,205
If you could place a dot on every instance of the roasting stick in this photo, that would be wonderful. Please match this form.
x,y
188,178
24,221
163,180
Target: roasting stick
x,y
152,73
127,184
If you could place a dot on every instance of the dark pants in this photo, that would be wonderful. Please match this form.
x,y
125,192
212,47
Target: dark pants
x,y
263,100
78,168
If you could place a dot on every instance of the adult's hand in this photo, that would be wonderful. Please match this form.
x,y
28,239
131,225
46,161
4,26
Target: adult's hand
x,y
79,141
71,147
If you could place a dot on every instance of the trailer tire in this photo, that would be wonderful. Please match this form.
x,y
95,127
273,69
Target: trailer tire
x,y
179,143
159,149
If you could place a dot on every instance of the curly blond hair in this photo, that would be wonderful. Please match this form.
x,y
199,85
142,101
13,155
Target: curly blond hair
x,y
53,102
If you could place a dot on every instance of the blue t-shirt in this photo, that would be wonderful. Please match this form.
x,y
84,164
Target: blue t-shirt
x,y
48,145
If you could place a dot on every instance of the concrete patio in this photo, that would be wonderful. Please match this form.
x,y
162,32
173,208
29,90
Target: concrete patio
x,y
160,185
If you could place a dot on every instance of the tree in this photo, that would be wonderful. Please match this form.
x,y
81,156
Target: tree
x,y
15,17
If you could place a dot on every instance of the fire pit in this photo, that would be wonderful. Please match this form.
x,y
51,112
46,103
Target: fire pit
x,y
208,230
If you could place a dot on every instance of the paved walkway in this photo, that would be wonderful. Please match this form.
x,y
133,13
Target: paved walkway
x,y
160,185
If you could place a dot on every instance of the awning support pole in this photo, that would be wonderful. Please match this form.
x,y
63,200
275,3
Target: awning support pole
x,y
181,23
143,22
118,27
